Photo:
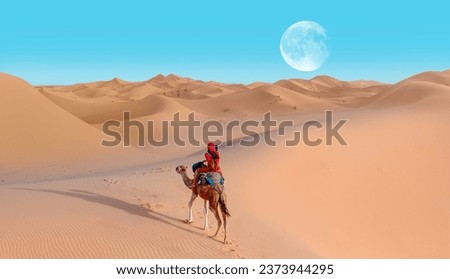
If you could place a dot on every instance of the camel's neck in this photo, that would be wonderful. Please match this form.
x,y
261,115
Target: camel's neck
x,y
187,181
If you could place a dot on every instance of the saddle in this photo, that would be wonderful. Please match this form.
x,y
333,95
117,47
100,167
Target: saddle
x,y
210,179
201,179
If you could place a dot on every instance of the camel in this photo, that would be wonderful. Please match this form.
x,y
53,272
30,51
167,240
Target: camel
x,y
212,195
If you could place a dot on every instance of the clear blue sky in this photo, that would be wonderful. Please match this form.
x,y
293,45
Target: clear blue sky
x,y
63,42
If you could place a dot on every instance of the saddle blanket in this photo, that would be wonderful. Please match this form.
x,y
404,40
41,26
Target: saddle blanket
x,y
210,178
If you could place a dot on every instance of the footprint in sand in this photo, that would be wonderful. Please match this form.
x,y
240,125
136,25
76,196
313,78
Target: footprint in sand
x,y
154,207
233,248
164,169
111,181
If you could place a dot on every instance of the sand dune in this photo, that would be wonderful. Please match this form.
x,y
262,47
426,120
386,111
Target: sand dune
x,y
411,92
384,195
107,91
38,133
442,78
280,97
333,90
99,112
257,101
429,87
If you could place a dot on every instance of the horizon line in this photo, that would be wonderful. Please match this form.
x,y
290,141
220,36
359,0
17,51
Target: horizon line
x,y
222,82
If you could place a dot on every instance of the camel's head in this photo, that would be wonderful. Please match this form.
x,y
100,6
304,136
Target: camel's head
x,y
181,169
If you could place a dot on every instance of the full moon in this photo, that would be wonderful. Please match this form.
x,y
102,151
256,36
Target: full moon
x,y
303,46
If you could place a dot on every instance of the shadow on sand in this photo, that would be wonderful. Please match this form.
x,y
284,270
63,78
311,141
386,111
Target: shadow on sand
x,y
118,204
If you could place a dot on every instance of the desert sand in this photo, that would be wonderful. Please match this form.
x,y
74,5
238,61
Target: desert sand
x,y
386,194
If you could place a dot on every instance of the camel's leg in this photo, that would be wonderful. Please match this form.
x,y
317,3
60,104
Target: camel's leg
x,y
215,211
205,212
191,202
225,226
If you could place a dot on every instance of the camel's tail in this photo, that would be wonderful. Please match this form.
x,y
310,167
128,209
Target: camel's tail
x,y
223,204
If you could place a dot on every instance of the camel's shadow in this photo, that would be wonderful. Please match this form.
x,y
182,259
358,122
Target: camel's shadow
x,y
130,208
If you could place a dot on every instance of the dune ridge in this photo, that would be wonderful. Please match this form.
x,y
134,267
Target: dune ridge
x,y
39,133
